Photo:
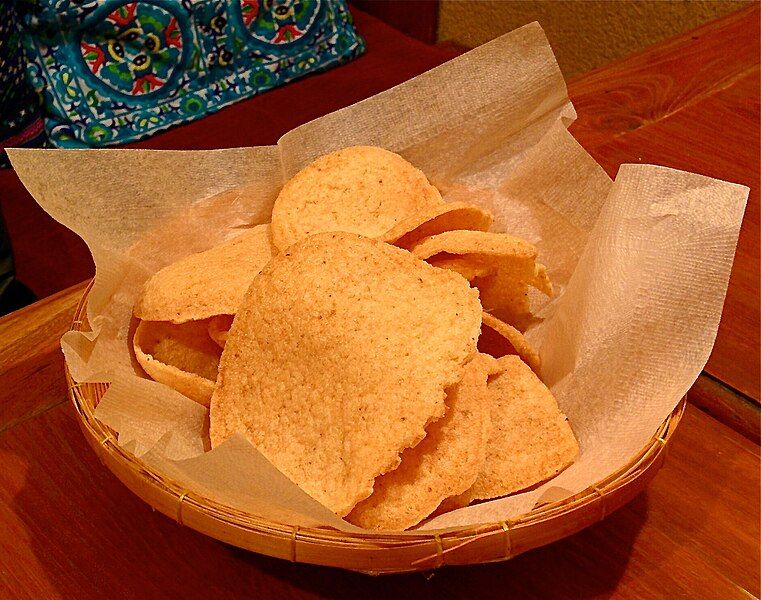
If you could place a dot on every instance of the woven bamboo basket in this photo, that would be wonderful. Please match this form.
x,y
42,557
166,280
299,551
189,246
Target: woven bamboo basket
x,y
373,553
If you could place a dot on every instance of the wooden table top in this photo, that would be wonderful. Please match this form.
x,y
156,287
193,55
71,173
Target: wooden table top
x,y
68,528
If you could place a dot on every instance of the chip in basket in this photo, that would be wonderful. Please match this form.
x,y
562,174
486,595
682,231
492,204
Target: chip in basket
x,y
500,339
208,283
339,359
504,291
444,464
484,244
183,357
435,220
469,267
363,189
531,440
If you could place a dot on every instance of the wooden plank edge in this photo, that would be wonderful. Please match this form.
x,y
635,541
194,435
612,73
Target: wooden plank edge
x,y
728,406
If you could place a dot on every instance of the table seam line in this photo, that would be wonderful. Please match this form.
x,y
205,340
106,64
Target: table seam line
x,y
35,413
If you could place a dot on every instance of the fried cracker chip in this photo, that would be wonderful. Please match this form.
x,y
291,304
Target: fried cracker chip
x,y
435,220
183,357
219,327
504,291
469,267
481,243
338,360
494,334
363,189
444,464
531,440
208,283
507,298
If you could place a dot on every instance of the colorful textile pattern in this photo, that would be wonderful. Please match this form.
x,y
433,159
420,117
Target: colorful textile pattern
x,y
111,71
20,120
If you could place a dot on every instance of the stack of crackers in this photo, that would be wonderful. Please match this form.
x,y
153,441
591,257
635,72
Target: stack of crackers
x,y
368,342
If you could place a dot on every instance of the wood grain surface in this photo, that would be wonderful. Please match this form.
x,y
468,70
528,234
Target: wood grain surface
x,y
31,371
69,529
692,103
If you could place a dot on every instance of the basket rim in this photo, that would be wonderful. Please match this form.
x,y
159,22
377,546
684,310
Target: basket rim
x,y
103,438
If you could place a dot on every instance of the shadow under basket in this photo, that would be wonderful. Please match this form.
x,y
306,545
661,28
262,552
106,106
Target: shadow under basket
x,y
373,553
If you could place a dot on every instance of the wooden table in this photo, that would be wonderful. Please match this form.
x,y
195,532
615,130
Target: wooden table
x,y
68,528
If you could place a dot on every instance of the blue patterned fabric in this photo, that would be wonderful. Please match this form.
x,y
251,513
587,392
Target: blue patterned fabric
x,y
111,71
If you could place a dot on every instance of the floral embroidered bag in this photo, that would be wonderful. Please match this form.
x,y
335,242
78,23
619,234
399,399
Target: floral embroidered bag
x,y
113,71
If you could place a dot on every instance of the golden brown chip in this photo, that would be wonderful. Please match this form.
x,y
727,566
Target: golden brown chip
x,y
469,266
219,327
338,360
494,345
183,357
208,283
505,294
444,464
504,291
531,440
363,189
435,220
508,299
483,243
